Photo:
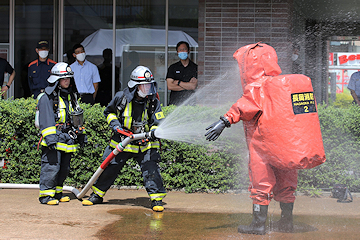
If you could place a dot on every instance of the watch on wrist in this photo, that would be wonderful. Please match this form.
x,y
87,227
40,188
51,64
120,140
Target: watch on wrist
x,y
179,82
7,86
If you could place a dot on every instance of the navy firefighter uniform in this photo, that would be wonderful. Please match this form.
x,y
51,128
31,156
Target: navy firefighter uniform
x,y
135,109
38,73
59,140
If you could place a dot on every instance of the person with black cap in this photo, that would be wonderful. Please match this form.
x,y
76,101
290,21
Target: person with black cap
x,y
39,69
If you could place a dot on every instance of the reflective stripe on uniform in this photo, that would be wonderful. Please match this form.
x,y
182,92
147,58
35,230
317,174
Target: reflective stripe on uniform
x,y
98,191
58,189
63,146
135,148
155,144
48,131
153,127
127,116
113,143
111,117
131,148
45,193
62,109
157,196
66,147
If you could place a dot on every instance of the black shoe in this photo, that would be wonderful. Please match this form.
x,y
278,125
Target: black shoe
x,y
157,206
93,199
49,200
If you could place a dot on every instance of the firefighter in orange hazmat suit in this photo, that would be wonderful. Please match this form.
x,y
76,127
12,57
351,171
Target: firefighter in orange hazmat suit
x,y
282,131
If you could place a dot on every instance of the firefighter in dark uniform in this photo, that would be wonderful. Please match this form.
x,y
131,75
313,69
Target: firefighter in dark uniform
x,y
136,109
57,111
39,69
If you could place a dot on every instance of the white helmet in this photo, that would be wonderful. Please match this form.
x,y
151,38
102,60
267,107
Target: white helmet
x,y
140,75
60,70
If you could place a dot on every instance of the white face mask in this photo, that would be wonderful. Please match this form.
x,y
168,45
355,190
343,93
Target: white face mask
x,y
43,53
141,94
294,57
81,56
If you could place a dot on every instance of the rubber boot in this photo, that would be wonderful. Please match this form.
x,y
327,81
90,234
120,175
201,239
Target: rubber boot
x,y
257,225
285,224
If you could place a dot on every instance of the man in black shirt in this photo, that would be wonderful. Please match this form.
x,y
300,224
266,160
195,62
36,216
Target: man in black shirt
x,y
5,67
181,77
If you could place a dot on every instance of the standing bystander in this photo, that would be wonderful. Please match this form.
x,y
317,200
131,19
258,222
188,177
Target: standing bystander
x,y
181,77
5,67
86,75
104,94
354,87
39,69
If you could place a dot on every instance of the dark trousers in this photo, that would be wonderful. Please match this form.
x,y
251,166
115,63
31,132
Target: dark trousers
x,y
87,98
148,162
55,167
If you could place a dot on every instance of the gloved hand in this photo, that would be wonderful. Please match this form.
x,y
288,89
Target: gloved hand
x,y
116,128
82,138
152,137
216,128
52,146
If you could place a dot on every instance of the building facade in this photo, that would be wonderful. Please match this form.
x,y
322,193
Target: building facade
x,y
306,28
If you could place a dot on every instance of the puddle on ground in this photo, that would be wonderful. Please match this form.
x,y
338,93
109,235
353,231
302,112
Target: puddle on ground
x,y
146,224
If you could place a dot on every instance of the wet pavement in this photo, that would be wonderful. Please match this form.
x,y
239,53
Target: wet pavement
x,y
126,214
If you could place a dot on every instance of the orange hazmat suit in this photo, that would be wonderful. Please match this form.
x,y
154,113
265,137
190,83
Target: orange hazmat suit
x,y
281,124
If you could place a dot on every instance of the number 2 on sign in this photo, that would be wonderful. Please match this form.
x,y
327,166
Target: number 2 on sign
x,y
306,109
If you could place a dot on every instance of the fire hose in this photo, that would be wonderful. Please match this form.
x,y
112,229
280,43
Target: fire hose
x,y
34,186
119,148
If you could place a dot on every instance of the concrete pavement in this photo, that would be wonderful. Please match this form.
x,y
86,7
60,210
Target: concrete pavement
x,y
23,217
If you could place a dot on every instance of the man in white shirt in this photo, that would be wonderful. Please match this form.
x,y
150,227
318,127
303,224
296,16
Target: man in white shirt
x,y
86,75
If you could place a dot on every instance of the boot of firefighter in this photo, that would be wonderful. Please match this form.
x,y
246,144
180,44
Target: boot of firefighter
x,y
257,225
93,199
285,224
157,206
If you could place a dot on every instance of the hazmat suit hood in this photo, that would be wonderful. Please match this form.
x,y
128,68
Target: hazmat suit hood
x,y
256,61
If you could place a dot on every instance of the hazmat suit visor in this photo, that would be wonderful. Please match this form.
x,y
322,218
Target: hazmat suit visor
x,y
255,61
146,89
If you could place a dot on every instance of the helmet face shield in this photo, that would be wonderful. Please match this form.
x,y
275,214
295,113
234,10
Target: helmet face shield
x,y
146,89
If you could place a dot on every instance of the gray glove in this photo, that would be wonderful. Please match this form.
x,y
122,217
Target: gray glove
x,y
216,128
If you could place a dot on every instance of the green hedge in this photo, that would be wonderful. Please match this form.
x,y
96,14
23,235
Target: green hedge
x,y
217,166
